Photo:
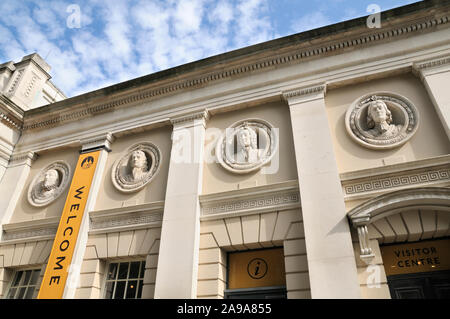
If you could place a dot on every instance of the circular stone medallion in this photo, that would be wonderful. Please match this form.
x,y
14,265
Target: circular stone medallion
x,y
247,145
136,168
48,184
381,120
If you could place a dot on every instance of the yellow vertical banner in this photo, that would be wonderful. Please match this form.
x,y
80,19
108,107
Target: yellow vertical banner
x,y
56,273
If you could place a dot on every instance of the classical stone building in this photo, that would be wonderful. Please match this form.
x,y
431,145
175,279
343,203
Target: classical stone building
x,y
312,166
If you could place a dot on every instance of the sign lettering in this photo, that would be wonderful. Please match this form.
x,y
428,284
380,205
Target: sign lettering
x,y
56,273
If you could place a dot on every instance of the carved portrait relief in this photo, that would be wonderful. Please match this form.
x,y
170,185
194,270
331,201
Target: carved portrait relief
x,y
246,146
136,168
381,120
48,184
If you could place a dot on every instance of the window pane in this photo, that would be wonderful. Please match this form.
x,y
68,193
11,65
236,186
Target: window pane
x,y
11,293
29,294
27,277
112,271
21,293
131,289
109,289
141,284
141,275
120,289
123,270
134,270
17,279
34,277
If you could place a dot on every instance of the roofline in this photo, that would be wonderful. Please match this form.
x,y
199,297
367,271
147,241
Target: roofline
x,y
289,40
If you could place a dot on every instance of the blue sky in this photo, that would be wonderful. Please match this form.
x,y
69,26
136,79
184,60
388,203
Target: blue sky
x,y
96,43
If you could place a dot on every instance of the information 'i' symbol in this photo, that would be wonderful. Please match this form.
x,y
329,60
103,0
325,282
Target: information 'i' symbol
x,y
257,268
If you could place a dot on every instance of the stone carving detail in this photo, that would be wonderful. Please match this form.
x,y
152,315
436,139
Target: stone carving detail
x,y
31,85
366,251
123,221
16,81
49,231
382,120
49,183
247,145
137,168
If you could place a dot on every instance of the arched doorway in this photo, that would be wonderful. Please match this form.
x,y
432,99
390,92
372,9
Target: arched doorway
x,y
412,228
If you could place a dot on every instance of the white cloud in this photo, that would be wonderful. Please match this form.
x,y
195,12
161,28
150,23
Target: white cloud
x,y
310,21
188,16
253,23
121,40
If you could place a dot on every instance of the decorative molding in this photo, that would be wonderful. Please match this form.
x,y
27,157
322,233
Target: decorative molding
x,y
30,234
29,231
9,121
126,218
424,68
267,198
432,63
411,179
296,55
371,182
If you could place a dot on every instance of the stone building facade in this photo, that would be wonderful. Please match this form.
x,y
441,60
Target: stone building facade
x,y
312,166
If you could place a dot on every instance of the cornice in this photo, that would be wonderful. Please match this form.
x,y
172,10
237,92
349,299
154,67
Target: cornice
x,y
249,64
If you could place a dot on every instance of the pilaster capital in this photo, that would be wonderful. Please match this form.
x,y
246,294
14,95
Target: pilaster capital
x,y
103,140
190,119
304,94
431,66
24,158
4,158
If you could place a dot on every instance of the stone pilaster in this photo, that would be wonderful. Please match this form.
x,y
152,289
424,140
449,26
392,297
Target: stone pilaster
x,y
331,260
180,235
435,75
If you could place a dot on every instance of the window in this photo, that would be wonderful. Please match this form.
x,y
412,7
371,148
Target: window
x,y
24,284
124,280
